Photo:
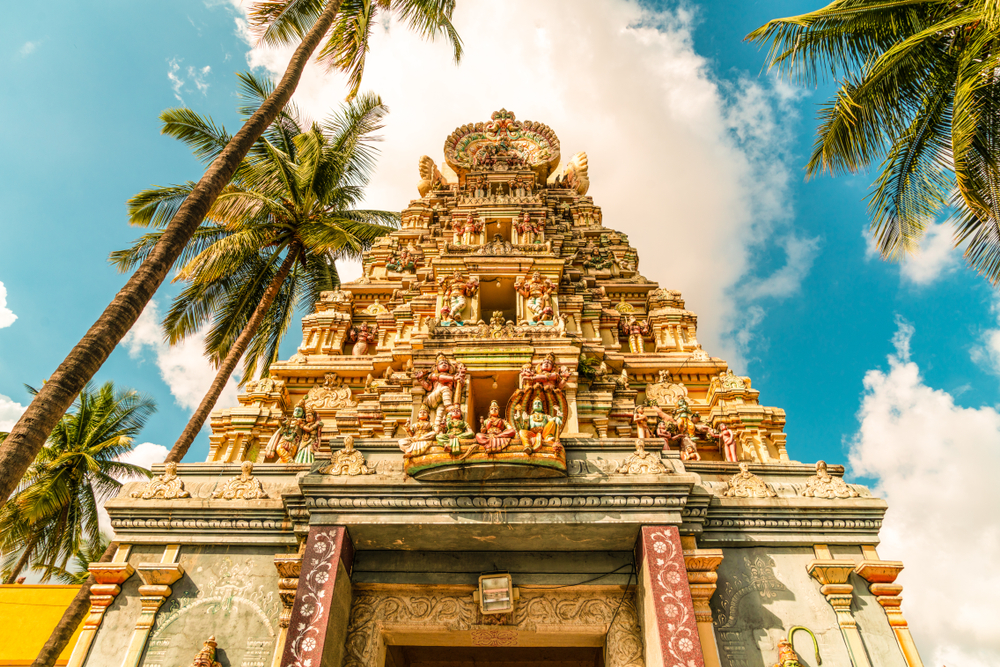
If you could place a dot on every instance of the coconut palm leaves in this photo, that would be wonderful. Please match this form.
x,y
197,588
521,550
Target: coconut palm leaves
x,y
270,242
918,93
52,515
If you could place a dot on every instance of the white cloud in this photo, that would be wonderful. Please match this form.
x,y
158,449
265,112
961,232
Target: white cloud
x,y
183,366
27,49
936,257
180,77
935,463
694,171
10,412
7,316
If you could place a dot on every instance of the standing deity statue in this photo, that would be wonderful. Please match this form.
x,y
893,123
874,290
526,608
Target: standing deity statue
x,y
420,435
495,432
727,442
455,430
687,428
454,289
443,386
641,422
537,292
362,337
538,428
312,432
528,231
634,330
284,443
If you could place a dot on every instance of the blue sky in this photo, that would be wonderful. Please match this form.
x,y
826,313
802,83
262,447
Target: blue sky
x,y
83,87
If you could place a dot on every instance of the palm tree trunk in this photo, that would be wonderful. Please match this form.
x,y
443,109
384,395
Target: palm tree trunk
x,y
71,618
197,420
27,437
22,561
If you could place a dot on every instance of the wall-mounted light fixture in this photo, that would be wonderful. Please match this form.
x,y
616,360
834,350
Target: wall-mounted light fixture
x,y
496,594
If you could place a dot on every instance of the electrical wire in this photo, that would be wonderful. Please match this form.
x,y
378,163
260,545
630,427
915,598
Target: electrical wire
x,y
580,583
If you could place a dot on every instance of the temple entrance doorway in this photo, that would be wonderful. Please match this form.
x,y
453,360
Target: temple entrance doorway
x,y
493,656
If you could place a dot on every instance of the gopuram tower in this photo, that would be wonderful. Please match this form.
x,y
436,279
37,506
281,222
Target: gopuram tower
x,y
502,444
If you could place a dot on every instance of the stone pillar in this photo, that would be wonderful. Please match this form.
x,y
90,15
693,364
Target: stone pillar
x,y
833,574
289,567
881,575
157,579
109,578
666,610
701,565
318,624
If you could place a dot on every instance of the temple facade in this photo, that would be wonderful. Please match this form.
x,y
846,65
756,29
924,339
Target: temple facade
x,y
501,444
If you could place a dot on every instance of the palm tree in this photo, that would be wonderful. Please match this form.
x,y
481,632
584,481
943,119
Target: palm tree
x,y
270,241
53,513
918,91
89,552
345,25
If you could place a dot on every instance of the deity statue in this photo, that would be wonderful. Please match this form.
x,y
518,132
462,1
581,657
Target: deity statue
x,y
634,331
454,290
443,386
688,429
404,260
166,486
745,484
206,656
284,443
527,230
825,485
420,435
537,292
641,422
362,337
348,461
495,432
538,428
543,382
596,258
727,442
244,487
309,442
455,430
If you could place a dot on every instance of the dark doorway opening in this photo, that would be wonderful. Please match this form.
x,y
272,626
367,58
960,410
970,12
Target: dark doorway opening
x,y
488,656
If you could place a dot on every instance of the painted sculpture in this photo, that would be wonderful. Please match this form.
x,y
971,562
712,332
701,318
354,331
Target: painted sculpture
x,y
420,435
634,331
539,428
206,656
455,290
495,432
362,337
541,382
310,438
456,431
787,657
443,386
537,293
284,443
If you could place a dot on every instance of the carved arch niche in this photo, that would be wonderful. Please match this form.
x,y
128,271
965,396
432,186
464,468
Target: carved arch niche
x,y
447,616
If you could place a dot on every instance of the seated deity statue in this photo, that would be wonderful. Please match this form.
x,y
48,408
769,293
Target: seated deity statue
x,y
420,435
455,430
538,428
495,432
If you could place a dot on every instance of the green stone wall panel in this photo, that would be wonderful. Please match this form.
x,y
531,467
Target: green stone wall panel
x,y
762,593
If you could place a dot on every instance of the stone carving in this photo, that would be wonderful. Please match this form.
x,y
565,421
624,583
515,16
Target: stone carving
x,y
231,589
641,422
264,385
729,381
622,381
336,296
376,308
454,289
641,462
430,177
328,396
745,484
503,144
665,392
348,461
472,503
420,434
362,337
537,293
166,486
685,428
498,328
575,174
825,485
634,331
206,656
529,229
243,487
757,575
371,610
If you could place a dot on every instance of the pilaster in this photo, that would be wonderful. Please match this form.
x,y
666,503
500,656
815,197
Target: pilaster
x,y
667,614
109,578
157,579
289,567
701,566
833,575
881,576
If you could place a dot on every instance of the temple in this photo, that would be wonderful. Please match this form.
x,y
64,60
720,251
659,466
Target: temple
x,y
501,444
